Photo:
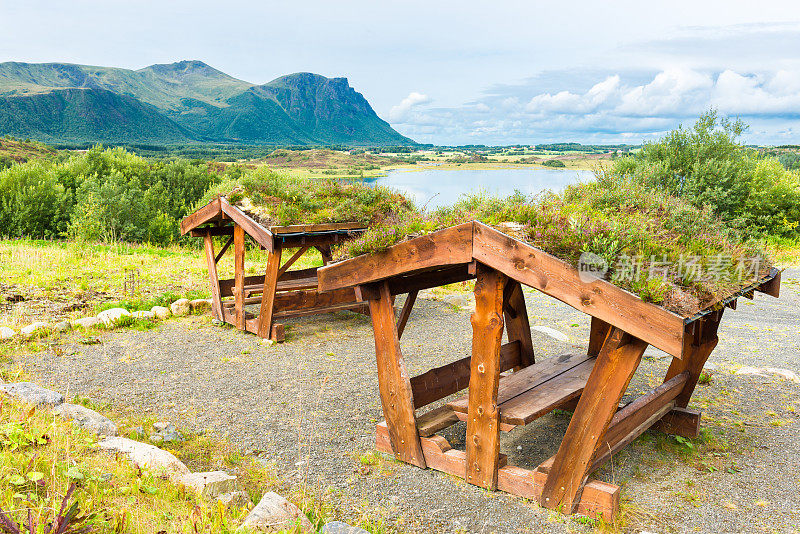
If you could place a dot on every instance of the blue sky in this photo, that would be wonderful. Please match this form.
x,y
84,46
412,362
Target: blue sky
x,y
465,72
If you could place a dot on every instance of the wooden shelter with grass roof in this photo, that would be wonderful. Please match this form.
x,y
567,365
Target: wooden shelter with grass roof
x,y
280,292
589,384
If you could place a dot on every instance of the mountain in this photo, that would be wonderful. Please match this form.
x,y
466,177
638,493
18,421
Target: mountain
x,y
183,102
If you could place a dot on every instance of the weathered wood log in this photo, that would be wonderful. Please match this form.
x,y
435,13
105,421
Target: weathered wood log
x,y
394,384
268,293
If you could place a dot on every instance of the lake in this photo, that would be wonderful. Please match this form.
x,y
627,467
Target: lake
x,y
433,188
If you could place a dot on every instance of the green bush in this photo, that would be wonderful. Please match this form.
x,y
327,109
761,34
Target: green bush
x,y
555,163
707,166
103,194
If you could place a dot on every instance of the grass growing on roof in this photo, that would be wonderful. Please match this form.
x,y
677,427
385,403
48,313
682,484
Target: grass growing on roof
x,y
658,246
276,199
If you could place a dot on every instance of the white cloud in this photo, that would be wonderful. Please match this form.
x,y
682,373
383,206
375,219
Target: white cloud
x,y
400,112
619,107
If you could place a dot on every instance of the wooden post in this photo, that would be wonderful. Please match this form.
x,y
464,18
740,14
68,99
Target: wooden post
x,y
325,252
700,342
597,336
238,255
517,324
393,382
405,313
483,416
613,370
268,294
213,278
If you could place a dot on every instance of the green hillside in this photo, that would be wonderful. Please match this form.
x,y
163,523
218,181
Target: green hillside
x,y
182,102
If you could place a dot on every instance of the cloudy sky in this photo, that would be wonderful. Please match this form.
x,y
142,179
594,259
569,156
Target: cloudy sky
x,y
456,72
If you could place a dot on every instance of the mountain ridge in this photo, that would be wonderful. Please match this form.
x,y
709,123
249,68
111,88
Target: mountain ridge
x,y
183,102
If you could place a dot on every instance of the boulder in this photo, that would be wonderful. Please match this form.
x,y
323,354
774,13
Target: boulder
x,y
275,513
38,326
337,527
32,394
211,484
552,332
6,332
143,314
86,418
785,374
63,326
86,322
180,307
165,432
144,456
200,305
112,317
160,312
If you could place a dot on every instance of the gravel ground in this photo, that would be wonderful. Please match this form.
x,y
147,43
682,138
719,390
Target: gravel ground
x,y
310,405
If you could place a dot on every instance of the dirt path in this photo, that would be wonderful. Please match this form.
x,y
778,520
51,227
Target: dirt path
x,y
310,406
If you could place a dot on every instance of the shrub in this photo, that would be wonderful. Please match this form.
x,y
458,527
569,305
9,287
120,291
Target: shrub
x,y
555,163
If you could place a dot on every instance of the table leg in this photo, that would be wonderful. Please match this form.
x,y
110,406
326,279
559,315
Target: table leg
x,y
483,424
268,294
393,381
613,370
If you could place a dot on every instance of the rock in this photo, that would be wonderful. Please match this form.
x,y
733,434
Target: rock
x,y
143,315
32,394
459,301
160,312
200,305
211,484
180,307
87,322
166,432
29,330
112,317
161,426
426,294
266,342
784,374
86,418
217,322
337,527
6,332
146,456
156,438
552,332
63,326
238,499
275,513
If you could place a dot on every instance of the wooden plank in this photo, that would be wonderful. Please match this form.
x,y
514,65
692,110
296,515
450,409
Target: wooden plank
x,y
518,327
306,299
353,306
405,313
203,215
610,376
224,249
683,422
393,383
290,261
547,396
435,420
483,424
320,227
635,418
423,280
599,499
450,246
215,231
442,381
772,287
528,378
226,286
297,274
700,343
213,278
259,234
598,298
238,260
268,293
598,332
